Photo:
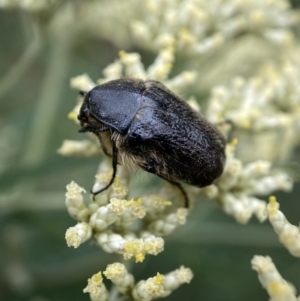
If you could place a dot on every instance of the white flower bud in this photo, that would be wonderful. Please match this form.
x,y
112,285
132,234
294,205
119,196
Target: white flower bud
x,y
167,224
83,148
118,274
96,288
82,83
78,234
149,289
110,242
133,64
176,278
74,202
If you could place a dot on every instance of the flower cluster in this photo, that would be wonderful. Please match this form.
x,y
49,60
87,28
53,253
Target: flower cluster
x,y
130,65
144,290
199,26
127,227
109,217
265,109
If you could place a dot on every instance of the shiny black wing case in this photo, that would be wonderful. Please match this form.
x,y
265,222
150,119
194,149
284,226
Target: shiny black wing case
x,y
174,142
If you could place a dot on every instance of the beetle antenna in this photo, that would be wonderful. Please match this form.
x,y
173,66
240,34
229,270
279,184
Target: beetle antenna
x,y
186,199
114,165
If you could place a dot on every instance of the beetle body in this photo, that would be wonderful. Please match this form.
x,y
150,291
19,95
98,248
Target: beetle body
x,y
144,125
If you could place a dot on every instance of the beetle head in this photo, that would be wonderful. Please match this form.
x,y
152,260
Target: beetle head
x,y
87,121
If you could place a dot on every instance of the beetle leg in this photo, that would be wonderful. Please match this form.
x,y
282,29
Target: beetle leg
x,y
114,165
88,128
152,167
179,186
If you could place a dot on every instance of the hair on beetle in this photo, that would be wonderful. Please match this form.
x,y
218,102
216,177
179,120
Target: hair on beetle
x,y
142,124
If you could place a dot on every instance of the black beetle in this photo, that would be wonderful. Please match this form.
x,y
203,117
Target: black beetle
x,y
143,124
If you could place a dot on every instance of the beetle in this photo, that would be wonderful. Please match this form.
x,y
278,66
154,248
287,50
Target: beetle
x,y
142,124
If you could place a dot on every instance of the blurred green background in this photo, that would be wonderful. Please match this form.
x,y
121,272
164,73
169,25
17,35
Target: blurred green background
x,y
35,262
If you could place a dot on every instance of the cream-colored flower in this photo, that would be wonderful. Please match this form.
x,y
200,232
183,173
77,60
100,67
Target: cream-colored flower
x,y
133,65
119,188
129,245
265,110
110,242
96,288
74,202
176,278
112,71
138,248
181,81
107,215
83,148
167,224
277,288
149,289
288,234
242,207
120,277
134,210
198,27
82,83
155,204
162,64
78,234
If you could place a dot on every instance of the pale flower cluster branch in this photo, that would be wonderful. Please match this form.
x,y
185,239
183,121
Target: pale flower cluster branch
x,y
277,288
144,290
288,234
152,288
109,216
265,109
198,27
83,148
